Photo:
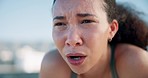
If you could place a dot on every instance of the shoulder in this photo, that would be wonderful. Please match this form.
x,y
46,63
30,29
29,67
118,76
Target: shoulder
x,y
131,61
54,66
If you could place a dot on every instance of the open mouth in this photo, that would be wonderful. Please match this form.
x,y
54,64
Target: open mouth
x,y
76,58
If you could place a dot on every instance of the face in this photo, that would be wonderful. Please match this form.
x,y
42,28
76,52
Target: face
x,y
81,32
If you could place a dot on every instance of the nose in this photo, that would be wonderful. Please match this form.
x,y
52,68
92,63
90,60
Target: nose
x,y
73,38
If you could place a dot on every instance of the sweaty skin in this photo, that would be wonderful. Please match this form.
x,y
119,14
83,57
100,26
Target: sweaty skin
x,y
81,26
131,62
86,31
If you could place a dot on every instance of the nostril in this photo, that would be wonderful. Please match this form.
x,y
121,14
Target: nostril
x,y
68,44
72,42
77,43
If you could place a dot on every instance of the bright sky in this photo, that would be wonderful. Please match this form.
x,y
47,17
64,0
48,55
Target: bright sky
x,y
30,20
25,20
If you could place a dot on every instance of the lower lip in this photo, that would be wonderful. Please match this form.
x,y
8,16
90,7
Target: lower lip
x,y
76,62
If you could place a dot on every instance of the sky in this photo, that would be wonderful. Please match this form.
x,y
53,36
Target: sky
x,y
30,20
25,20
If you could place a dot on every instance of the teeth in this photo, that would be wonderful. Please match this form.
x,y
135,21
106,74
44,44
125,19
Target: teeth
x,y
75,58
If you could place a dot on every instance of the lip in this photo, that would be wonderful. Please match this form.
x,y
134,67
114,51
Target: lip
x,y
76,58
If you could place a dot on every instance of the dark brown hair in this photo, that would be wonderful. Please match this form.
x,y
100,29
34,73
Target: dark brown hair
x,y
132,29
110,9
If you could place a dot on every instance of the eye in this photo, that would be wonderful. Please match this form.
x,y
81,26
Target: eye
x,y
87,21
59,24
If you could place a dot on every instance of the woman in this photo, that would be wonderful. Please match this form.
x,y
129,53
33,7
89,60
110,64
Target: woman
x,y
83,31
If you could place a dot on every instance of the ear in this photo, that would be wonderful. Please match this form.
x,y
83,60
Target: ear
x,y
113,28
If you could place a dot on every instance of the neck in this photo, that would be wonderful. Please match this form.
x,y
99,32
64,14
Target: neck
x,y
101,69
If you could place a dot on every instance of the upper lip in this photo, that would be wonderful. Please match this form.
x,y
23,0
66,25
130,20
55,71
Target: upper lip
x,y
75,54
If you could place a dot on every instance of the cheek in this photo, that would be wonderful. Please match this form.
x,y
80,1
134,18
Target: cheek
x,y
97,43
95,37
96,40
58,39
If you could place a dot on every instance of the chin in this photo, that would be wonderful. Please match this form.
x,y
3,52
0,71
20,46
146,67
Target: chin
x,y
79,70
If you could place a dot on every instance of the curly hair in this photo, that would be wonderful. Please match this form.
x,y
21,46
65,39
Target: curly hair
x,y
132,29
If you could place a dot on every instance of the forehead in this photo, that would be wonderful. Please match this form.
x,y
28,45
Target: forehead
x,y
62,7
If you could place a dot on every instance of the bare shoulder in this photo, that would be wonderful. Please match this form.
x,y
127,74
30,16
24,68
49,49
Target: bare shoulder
x,y
53,66
131,61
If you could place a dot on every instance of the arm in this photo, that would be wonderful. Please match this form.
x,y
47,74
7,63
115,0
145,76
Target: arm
x,y
53,66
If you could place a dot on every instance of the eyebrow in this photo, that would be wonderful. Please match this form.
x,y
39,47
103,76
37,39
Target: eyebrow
x,y
85,15
59,18
79,15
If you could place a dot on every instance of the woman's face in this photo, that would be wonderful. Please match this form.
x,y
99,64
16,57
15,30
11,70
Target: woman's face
x,y
81,32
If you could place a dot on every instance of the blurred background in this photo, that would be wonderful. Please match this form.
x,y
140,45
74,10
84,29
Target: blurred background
x,y
25,35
